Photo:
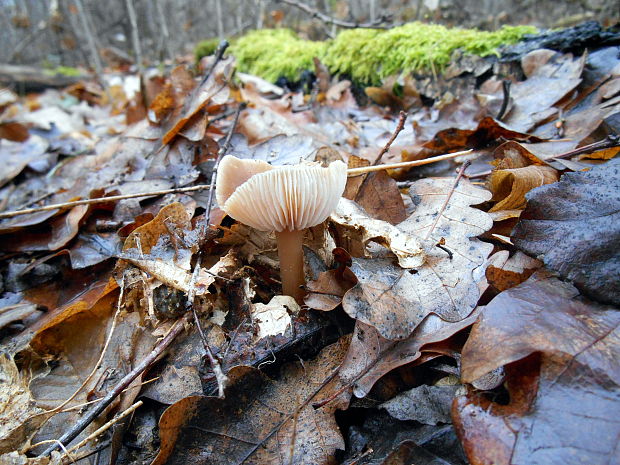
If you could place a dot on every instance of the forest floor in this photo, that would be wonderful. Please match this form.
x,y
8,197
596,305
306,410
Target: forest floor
x,y
459,309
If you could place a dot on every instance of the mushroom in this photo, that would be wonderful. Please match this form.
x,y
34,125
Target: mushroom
x,y
285,200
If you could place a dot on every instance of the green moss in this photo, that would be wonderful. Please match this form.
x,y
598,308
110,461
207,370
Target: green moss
x,y
271,53
205,48
367,55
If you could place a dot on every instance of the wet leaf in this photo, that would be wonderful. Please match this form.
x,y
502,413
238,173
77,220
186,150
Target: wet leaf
x,y
573,226
560,401
426,404
260,421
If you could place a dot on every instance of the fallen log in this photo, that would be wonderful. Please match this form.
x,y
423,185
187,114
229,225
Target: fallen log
x,y
32,79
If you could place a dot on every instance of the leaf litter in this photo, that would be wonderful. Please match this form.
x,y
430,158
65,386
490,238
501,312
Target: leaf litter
x,y
420,296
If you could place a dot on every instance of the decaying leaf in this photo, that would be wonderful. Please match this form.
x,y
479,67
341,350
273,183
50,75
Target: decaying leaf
x,y
505,271
371,356
426,404
260,421
574,227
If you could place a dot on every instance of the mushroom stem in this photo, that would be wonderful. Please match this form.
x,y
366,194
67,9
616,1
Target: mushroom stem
x,y
291,255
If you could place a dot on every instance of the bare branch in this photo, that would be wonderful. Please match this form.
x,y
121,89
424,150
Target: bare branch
x,y
381,23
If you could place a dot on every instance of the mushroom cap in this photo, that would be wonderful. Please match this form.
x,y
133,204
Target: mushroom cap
x,y
271,198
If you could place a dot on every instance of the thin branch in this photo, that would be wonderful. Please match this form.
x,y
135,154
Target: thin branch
x,y
219,54
405,164
380,23
106,426
180,190
399,127
112,198
90,415
611,141
221,378
135,36
506,90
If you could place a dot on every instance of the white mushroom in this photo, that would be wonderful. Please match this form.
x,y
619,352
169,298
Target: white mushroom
x,y
286,200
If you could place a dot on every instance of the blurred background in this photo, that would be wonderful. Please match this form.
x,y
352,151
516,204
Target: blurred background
x,y
53,33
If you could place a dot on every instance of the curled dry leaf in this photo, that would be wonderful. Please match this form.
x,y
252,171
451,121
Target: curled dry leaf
x,y
574,227
562,376
394,299
510,186
260,421
357,224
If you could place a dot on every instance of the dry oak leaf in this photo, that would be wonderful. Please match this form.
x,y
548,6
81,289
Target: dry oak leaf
x,y
573,226
18,412
562,375
261,421
395,300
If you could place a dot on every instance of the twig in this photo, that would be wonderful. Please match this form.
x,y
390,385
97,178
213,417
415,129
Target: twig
x,y
220,155
612,140
506,89
379,23
219,53
180,190
112,198
107,425
90,39
78,427
405,164
445,204
221,378
399,127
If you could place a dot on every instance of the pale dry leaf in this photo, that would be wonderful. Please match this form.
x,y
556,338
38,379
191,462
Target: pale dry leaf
x,y
274,318
395,300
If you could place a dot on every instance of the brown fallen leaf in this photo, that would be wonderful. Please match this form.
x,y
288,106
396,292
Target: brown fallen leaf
x,y
213,91
377,193
326,292
260,420
510,186
561,401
